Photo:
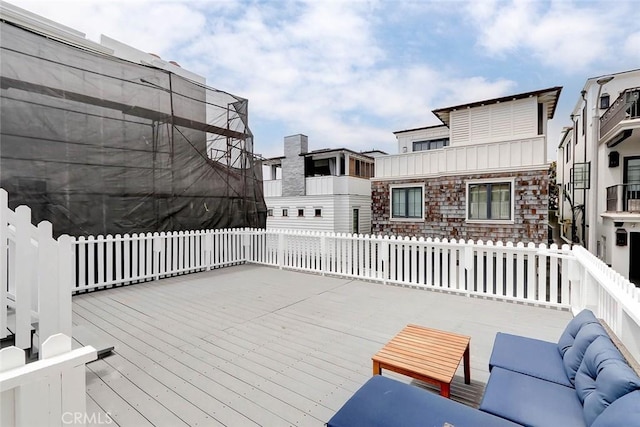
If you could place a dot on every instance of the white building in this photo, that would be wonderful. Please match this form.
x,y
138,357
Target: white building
x,y
599,172
482,174
323,190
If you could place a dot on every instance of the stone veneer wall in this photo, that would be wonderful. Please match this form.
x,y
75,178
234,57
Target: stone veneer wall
x,y
446,202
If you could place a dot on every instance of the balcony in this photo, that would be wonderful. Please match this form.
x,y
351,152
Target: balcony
x,y
505,155
252,339
616,118
623,198
324,185
258,346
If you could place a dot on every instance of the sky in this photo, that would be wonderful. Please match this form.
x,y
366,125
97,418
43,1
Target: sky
x,y
350,73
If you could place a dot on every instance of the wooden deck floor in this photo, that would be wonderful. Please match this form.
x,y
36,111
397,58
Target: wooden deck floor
x,y
251,345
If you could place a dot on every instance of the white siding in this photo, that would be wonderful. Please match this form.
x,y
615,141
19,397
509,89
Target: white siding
x,y
309,221
495,122
272,188
490,157
337,213
344,213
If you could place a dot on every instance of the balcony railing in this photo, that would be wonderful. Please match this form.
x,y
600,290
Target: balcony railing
x,y
623,108
623,198
505,155
323,185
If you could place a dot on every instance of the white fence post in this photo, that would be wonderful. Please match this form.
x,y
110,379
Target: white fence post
x,y
281,242
157,252
4,248
23,277
66,279
48,283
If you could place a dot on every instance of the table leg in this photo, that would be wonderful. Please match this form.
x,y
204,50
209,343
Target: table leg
x,y
467,367
377,370
445,390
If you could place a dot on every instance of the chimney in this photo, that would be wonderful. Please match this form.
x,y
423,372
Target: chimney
x,y
293,180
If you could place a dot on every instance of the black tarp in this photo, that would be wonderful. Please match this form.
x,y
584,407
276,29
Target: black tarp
x,y
99,145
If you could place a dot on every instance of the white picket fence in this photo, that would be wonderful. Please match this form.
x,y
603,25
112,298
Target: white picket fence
x,y
613,298
516,272
36,274
105,261
513,272
49,392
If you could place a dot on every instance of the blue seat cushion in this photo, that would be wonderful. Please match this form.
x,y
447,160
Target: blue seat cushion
x,y
540,359
574,354
382,401
531,401
625,411
603,377
585,317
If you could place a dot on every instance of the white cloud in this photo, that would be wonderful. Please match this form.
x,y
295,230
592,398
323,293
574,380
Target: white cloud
x,y
632,47
152,26
566,35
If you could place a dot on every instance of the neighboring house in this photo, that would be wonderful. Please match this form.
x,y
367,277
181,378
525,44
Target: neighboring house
x,y
599,172
101,138
323,190
482,175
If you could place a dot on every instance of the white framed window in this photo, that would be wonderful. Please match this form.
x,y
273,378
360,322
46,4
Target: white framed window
x,y
285,212
490,200
317,212
269,212
300,211
432,144
407,202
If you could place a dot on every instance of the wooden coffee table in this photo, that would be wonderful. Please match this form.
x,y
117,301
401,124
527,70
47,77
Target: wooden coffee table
x,y
425,354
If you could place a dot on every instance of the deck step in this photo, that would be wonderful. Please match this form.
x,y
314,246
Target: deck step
x,y
11,330
85,336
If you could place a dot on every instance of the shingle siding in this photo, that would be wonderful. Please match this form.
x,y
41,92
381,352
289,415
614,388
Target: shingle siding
x,y
445,209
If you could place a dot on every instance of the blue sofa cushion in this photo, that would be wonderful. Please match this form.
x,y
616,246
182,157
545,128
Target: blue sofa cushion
x,y
574,354
531,401
382,401
566,339
540,359
625,411
603,377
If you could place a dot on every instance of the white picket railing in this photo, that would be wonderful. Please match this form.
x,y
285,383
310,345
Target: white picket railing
x,y
35,277
613,298
49,392
522,273
119,260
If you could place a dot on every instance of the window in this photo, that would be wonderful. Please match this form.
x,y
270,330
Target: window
x,y
355,226
318,212
489,201
361,168
406,202
604,101
269,212
567,149
300,211
430,145
540,118
584,119
285,212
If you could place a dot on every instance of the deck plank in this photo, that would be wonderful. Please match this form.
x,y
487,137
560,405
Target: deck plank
x,y
253,345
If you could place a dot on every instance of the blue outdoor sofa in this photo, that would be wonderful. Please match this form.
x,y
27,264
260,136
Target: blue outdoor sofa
x,y
583,380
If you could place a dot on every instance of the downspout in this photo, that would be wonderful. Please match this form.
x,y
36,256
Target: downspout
x,y
595,138
585,241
